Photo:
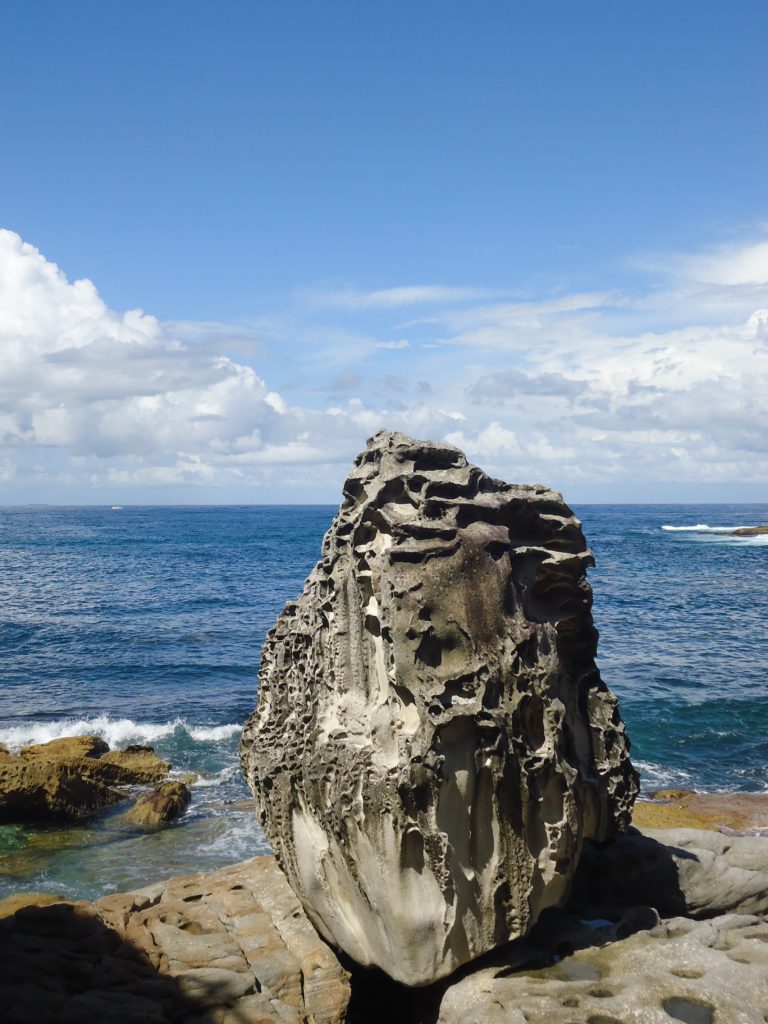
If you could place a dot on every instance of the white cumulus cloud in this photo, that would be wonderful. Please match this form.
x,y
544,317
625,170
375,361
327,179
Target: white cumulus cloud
x,y
645,390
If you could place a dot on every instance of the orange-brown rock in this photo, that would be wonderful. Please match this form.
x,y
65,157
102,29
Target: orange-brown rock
x,y
33,789
66,748
224,947
72,778
681,808
10,904
159,806
135,766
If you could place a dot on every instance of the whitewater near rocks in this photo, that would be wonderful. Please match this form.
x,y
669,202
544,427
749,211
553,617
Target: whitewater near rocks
x,y
433,741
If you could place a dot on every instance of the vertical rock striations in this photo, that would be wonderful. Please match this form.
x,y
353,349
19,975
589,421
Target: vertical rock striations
x,y
433,741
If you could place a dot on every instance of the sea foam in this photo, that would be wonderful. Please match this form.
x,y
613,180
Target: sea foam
x,y
116,732
701,528
723,533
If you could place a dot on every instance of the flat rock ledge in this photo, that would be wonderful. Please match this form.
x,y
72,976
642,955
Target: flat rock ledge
x,y
433,742
225,947
697,972
684,808
661,927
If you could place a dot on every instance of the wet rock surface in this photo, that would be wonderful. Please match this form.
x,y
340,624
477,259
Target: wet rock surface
x,y
71,779
41,790
159,806
223,947
433,741
751,531
137,765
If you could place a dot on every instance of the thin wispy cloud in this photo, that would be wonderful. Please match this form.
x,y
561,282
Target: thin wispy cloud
x,y
727,265
394,298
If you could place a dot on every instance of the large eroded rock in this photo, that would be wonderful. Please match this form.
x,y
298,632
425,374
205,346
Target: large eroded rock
x,y
433,741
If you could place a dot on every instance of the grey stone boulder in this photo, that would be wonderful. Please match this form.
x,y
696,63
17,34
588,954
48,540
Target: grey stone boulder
x,y
678,871
433,741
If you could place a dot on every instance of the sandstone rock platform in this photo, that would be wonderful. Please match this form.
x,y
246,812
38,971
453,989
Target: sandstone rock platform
x,y
223,947
433,742
684,808
697,972
662,927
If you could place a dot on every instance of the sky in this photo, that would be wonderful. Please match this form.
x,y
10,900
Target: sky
x,y
238,238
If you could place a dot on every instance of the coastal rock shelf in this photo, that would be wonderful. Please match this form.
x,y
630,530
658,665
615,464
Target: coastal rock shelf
x,y
661,927
703,972
433,741
72,779
223,947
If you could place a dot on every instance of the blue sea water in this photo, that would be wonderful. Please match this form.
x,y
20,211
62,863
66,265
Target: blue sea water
x,y
144,624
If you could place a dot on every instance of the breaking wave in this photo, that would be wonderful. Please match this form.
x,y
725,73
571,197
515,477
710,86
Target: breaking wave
x,y
219,778
116,732
720,533
701,528
658,776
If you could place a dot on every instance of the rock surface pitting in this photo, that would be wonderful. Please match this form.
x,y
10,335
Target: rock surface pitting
x,y
234,945
433,741
697,972
221,947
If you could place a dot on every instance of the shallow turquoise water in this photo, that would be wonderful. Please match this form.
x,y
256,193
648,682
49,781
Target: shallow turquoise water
x,y
145,624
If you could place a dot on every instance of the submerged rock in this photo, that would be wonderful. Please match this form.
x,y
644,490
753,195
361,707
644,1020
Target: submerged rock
x,y
433,741
750,531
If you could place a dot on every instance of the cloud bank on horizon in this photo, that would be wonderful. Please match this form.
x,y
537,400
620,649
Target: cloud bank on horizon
x,y
639,391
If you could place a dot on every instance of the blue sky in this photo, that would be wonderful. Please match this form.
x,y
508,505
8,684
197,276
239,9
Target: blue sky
x,y
537,230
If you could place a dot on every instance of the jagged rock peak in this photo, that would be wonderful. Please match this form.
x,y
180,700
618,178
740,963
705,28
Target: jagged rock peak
x,y
433,741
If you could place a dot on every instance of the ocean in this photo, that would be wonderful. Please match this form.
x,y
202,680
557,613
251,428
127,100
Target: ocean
x,y
144,625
